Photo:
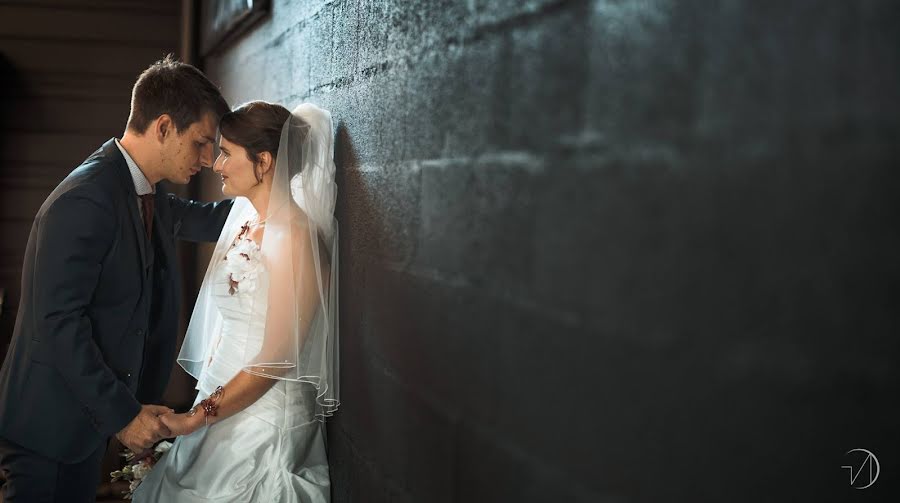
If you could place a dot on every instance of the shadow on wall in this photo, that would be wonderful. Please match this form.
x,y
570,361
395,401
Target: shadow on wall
x,y
379,411
355,232
365,230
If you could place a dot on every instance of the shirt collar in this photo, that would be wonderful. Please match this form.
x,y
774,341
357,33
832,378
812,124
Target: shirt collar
x,y
141,184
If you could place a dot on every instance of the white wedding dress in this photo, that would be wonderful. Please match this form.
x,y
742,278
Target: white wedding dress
x,y
272,451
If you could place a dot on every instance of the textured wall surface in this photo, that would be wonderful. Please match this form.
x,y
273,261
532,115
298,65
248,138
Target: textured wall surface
x,y
604,251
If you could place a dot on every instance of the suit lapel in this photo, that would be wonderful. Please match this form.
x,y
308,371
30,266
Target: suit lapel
x,y
112,151
166,258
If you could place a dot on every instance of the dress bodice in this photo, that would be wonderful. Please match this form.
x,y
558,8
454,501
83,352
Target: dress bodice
x,y
239,283
239,289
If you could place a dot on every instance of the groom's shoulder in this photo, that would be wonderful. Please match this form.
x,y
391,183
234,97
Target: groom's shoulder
x,y
95,179
100,168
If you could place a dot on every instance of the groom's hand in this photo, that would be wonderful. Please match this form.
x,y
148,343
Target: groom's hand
x,y
145,429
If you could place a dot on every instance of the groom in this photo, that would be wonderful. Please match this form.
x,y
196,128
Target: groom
x,y
94,339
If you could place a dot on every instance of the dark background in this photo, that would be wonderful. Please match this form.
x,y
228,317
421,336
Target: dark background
x,y
617,251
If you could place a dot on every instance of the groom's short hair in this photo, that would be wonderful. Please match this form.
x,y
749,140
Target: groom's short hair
x,y
176,89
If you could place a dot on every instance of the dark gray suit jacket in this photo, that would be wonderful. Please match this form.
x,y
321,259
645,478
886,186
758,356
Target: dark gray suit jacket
x,y
96,329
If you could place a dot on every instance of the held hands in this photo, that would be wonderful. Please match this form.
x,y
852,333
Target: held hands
x,y
145,429
196,418
183,424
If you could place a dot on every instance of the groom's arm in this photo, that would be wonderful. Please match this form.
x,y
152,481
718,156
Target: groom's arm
x,y
195,221
73,236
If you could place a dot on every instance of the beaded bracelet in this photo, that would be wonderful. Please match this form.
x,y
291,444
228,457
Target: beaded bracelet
x,y
209,405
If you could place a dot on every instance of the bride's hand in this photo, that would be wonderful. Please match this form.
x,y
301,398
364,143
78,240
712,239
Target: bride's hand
x,y
182,424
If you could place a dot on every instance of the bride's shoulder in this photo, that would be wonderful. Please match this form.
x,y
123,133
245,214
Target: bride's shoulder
x,y
283,240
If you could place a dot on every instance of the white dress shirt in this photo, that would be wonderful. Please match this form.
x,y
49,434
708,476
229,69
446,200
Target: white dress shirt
x,y
141,184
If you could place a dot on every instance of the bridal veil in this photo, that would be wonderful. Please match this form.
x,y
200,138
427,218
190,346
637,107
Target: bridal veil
x,y
295,336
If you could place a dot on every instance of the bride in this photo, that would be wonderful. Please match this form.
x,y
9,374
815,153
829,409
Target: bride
x,y
262,341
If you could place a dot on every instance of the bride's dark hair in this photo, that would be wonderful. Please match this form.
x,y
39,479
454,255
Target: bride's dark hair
x,y
256,126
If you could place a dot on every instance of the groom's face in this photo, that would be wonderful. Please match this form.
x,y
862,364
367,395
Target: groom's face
x,y
190,150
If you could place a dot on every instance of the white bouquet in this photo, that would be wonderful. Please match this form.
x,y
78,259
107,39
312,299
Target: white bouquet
x,y
137,468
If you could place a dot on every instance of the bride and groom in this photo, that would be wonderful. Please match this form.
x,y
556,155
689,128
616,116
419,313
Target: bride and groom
x,y
92,347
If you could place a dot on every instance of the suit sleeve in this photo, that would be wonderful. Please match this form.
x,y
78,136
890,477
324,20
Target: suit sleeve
x,y
198,222
74,234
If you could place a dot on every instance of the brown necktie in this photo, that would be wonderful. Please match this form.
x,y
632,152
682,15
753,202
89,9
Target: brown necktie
x,y
147,209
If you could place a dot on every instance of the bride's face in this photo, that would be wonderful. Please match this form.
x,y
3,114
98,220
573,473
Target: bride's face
x,y
236,170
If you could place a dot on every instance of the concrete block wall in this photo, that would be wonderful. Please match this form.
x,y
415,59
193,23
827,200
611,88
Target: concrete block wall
x,y
604,250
